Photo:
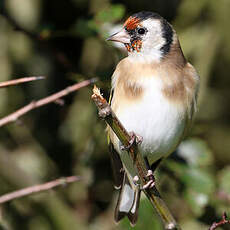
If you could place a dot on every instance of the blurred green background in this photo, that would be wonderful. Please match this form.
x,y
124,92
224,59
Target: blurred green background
x,y
64,40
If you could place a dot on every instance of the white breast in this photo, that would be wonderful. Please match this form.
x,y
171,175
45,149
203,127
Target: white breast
x,y
160,122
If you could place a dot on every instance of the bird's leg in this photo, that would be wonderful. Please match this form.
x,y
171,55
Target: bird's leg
x,y
149,176
135,180
138,138
151,170
134,139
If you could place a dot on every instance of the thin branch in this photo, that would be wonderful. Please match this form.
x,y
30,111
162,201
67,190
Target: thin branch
x,y
37,188
153,194
52,98
20,80
222,222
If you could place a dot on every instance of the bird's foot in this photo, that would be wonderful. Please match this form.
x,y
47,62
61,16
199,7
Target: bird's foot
x,y
138,138
134,139
136,180
151,182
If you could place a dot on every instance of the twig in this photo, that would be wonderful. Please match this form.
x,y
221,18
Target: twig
x,y
153,195
35,104
224,221
37,188
20,80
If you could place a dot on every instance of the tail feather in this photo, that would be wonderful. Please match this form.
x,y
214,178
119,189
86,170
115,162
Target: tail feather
x,y
128,202
117,167
133,213
129,196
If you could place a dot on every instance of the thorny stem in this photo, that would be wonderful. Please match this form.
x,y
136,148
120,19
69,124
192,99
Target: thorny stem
x,y
153,194
224,221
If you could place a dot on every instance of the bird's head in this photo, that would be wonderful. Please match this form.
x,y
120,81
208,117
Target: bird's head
x,y
146,35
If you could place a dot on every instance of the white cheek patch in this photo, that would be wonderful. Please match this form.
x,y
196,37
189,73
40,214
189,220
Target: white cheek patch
x,y
152,42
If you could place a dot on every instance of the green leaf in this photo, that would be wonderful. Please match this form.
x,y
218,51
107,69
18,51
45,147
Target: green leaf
x,y
200,186
111,14
196,152
224,180
85,28
198,180
197,201
193,177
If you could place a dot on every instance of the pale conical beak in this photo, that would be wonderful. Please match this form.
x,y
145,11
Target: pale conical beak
x,y
121,36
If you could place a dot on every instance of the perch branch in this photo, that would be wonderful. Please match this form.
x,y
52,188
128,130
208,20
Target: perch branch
x,y
153,195
224,221
19,81
52,98
37,188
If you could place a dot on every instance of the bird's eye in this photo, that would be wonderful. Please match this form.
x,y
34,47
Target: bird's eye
x,y
141,31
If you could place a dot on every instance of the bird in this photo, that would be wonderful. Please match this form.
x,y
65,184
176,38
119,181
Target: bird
x,y
154,92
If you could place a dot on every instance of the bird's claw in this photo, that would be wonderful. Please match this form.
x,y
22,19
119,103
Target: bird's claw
x,y
134,139
135,180
151,182
149,174
138,138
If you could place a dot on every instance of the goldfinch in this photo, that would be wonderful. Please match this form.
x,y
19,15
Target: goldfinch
x,y
154,95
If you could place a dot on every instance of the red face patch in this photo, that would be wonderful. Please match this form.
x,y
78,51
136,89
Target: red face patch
x,y
135,45
132,23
